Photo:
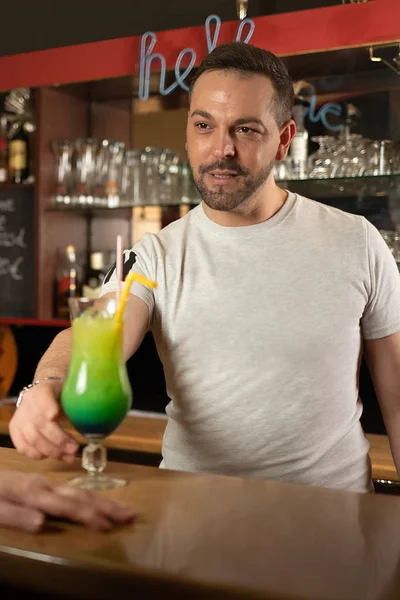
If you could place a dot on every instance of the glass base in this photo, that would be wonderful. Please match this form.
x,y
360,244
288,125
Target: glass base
x,y
98,482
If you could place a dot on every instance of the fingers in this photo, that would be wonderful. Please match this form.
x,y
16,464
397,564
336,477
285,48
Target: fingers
x,y
77,505
72,508
115,511
93,509
52,431
33,444
50,440
67,458
23,447
18,487
21,517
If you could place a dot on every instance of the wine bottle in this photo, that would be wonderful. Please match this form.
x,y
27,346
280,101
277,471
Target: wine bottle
x,y
3,149
18,162
67,282
299,145
95,276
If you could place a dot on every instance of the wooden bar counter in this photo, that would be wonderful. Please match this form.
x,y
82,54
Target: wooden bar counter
x,y
207,536
142,434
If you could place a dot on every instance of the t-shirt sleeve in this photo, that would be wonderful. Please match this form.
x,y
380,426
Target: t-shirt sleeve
x,y
139,260
382,312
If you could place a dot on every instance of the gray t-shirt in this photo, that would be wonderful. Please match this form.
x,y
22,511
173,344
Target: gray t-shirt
x,y
260,330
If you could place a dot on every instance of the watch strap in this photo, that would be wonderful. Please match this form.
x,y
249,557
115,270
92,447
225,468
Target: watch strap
x,y
32,385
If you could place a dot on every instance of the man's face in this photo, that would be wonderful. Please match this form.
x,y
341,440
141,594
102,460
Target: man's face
x,y
233,139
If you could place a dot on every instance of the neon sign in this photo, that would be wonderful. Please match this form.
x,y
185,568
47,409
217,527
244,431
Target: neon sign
x,y
149,39
322,115
212,30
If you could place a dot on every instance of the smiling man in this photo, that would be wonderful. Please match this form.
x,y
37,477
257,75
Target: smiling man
x,y
265,303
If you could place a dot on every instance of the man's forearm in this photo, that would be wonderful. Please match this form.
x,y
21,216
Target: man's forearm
x,y
55,361
383,359
392,425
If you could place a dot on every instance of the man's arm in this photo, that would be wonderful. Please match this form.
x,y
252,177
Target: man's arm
x,y
383,359
55,361
33,427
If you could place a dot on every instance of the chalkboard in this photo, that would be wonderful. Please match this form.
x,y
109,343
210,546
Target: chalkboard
x,y
17,252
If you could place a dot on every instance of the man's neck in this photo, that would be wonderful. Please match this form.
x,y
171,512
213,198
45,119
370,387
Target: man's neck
x,y
256,210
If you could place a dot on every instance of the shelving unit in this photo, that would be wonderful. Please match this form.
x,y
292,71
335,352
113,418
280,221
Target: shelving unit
x,y
62,115
122,211
91,90
344,187
4,185
339,187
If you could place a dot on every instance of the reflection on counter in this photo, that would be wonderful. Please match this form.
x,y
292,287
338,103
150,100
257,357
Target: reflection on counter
x,y
267,537
206,536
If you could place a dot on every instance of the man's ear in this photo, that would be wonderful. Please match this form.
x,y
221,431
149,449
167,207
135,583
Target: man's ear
x,y
286,136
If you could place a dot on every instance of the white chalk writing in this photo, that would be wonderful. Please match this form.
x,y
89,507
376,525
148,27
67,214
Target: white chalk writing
x,y
11,268
7,205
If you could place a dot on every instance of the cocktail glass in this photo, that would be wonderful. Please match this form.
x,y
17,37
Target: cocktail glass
x,y
96,395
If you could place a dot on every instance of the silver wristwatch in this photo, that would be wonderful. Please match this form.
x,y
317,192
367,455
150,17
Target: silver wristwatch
x,y
34,384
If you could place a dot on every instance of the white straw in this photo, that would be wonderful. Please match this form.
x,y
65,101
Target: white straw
x,y
119,259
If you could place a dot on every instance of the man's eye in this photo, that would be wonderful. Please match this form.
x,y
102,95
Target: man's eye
x,y
246,130
201,125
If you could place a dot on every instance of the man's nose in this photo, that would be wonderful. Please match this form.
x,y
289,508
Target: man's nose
x,y
224,146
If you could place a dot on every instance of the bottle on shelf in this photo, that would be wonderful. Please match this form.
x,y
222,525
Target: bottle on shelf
x,y
67,281
299,145
3,149
95,276
18,159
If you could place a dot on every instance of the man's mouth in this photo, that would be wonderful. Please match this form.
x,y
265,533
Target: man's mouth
x,y
224,174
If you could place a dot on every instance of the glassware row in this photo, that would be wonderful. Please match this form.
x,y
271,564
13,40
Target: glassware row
x,y
350,155
105,173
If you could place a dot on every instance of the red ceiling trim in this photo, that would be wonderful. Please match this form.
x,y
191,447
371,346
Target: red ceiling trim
x,y
373,22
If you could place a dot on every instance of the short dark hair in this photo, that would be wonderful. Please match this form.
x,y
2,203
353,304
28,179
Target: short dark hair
x,y
246,59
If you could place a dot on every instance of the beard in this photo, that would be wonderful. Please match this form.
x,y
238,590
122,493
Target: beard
x,y
220,198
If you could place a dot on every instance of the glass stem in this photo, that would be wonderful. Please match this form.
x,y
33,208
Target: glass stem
x,y
94,458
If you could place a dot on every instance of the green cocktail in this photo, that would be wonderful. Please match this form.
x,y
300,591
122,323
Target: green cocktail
x,y
96,395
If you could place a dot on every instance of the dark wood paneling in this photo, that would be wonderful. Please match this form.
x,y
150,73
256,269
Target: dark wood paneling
x,y
112,121
105,230
59,116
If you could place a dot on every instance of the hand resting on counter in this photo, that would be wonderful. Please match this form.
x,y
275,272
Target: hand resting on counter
x,y
26,500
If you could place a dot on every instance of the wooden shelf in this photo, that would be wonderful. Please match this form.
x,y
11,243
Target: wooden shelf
x,y
34,322
344,187
121,212
7,184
